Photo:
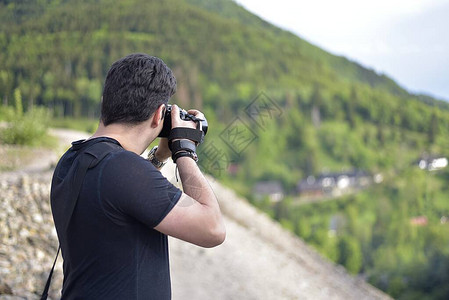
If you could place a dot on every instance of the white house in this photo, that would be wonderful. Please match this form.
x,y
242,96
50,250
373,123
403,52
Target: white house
x,y
432,163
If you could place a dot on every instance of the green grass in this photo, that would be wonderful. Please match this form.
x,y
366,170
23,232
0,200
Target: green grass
x,y
81,124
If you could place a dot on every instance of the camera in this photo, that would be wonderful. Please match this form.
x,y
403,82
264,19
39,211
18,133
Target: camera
x,y
165,132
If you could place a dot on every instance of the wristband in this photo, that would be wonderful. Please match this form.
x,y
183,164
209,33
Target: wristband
x,y
153,159
184,153
178,145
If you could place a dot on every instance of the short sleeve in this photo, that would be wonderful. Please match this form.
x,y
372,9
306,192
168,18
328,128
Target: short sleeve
x,y
132,186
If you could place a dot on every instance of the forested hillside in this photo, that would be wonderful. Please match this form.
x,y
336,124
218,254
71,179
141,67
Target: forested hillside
x,y
279,108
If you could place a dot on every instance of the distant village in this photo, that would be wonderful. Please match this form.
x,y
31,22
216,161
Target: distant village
x,y
319,187
332,185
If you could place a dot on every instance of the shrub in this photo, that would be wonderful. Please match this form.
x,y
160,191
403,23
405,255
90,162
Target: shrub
x,y
28,128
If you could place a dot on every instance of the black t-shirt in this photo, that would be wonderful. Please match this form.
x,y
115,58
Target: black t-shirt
x,y
110,249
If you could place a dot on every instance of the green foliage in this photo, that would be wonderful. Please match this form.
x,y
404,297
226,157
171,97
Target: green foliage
x,y
373,234
80,124
29,128
6,112
18,103
350,254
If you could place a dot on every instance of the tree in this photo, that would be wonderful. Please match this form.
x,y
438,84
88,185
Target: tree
x,y
316,100
350,254
350,108
433,128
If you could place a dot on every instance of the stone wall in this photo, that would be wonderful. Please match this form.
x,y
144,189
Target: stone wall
x,y
28,239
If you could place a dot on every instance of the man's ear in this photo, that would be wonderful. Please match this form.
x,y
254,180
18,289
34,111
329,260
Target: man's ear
x,y
158,115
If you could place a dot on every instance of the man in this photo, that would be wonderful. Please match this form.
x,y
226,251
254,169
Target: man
x,y
114,244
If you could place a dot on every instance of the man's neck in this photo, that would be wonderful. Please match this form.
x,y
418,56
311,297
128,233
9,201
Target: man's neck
x,y
134,138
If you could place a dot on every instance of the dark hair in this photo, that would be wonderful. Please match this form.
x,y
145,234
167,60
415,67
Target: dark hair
x,y
135,86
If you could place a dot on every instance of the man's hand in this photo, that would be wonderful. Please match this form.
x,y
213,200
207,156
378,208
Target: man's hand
x,y
163,152
177,122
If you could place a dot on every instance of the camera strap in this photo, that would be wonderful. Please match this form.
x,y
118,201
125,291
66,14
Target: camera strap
x,y
196,135
87,159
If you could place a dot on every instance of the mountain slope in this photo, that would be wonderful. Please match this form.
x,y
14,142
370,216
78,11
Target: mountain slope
x,y
218,37
345,68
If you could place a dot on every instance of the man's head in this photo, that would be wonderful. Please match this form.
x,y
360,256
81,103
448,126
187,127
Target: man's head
x,y
135,86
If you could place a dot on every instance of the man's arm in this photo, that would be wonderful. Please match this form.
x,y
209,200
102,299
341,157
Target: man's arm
x,y
196,218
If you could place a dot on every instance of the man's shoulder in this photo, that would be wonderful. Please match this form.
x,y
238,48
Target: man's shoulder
x,y
124,159
125,155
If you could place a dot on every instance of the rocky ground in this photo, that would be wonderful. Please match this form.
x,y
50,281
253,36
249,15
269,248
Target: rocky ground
x,y
259,260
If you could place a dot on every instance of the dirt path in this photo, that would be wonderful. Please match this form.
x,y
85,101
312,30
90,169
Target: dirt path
x,y
67,136
44,160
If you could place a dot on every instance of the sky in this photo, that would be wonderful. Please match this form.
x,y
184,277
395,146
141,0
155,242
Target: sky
x,y
408,40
